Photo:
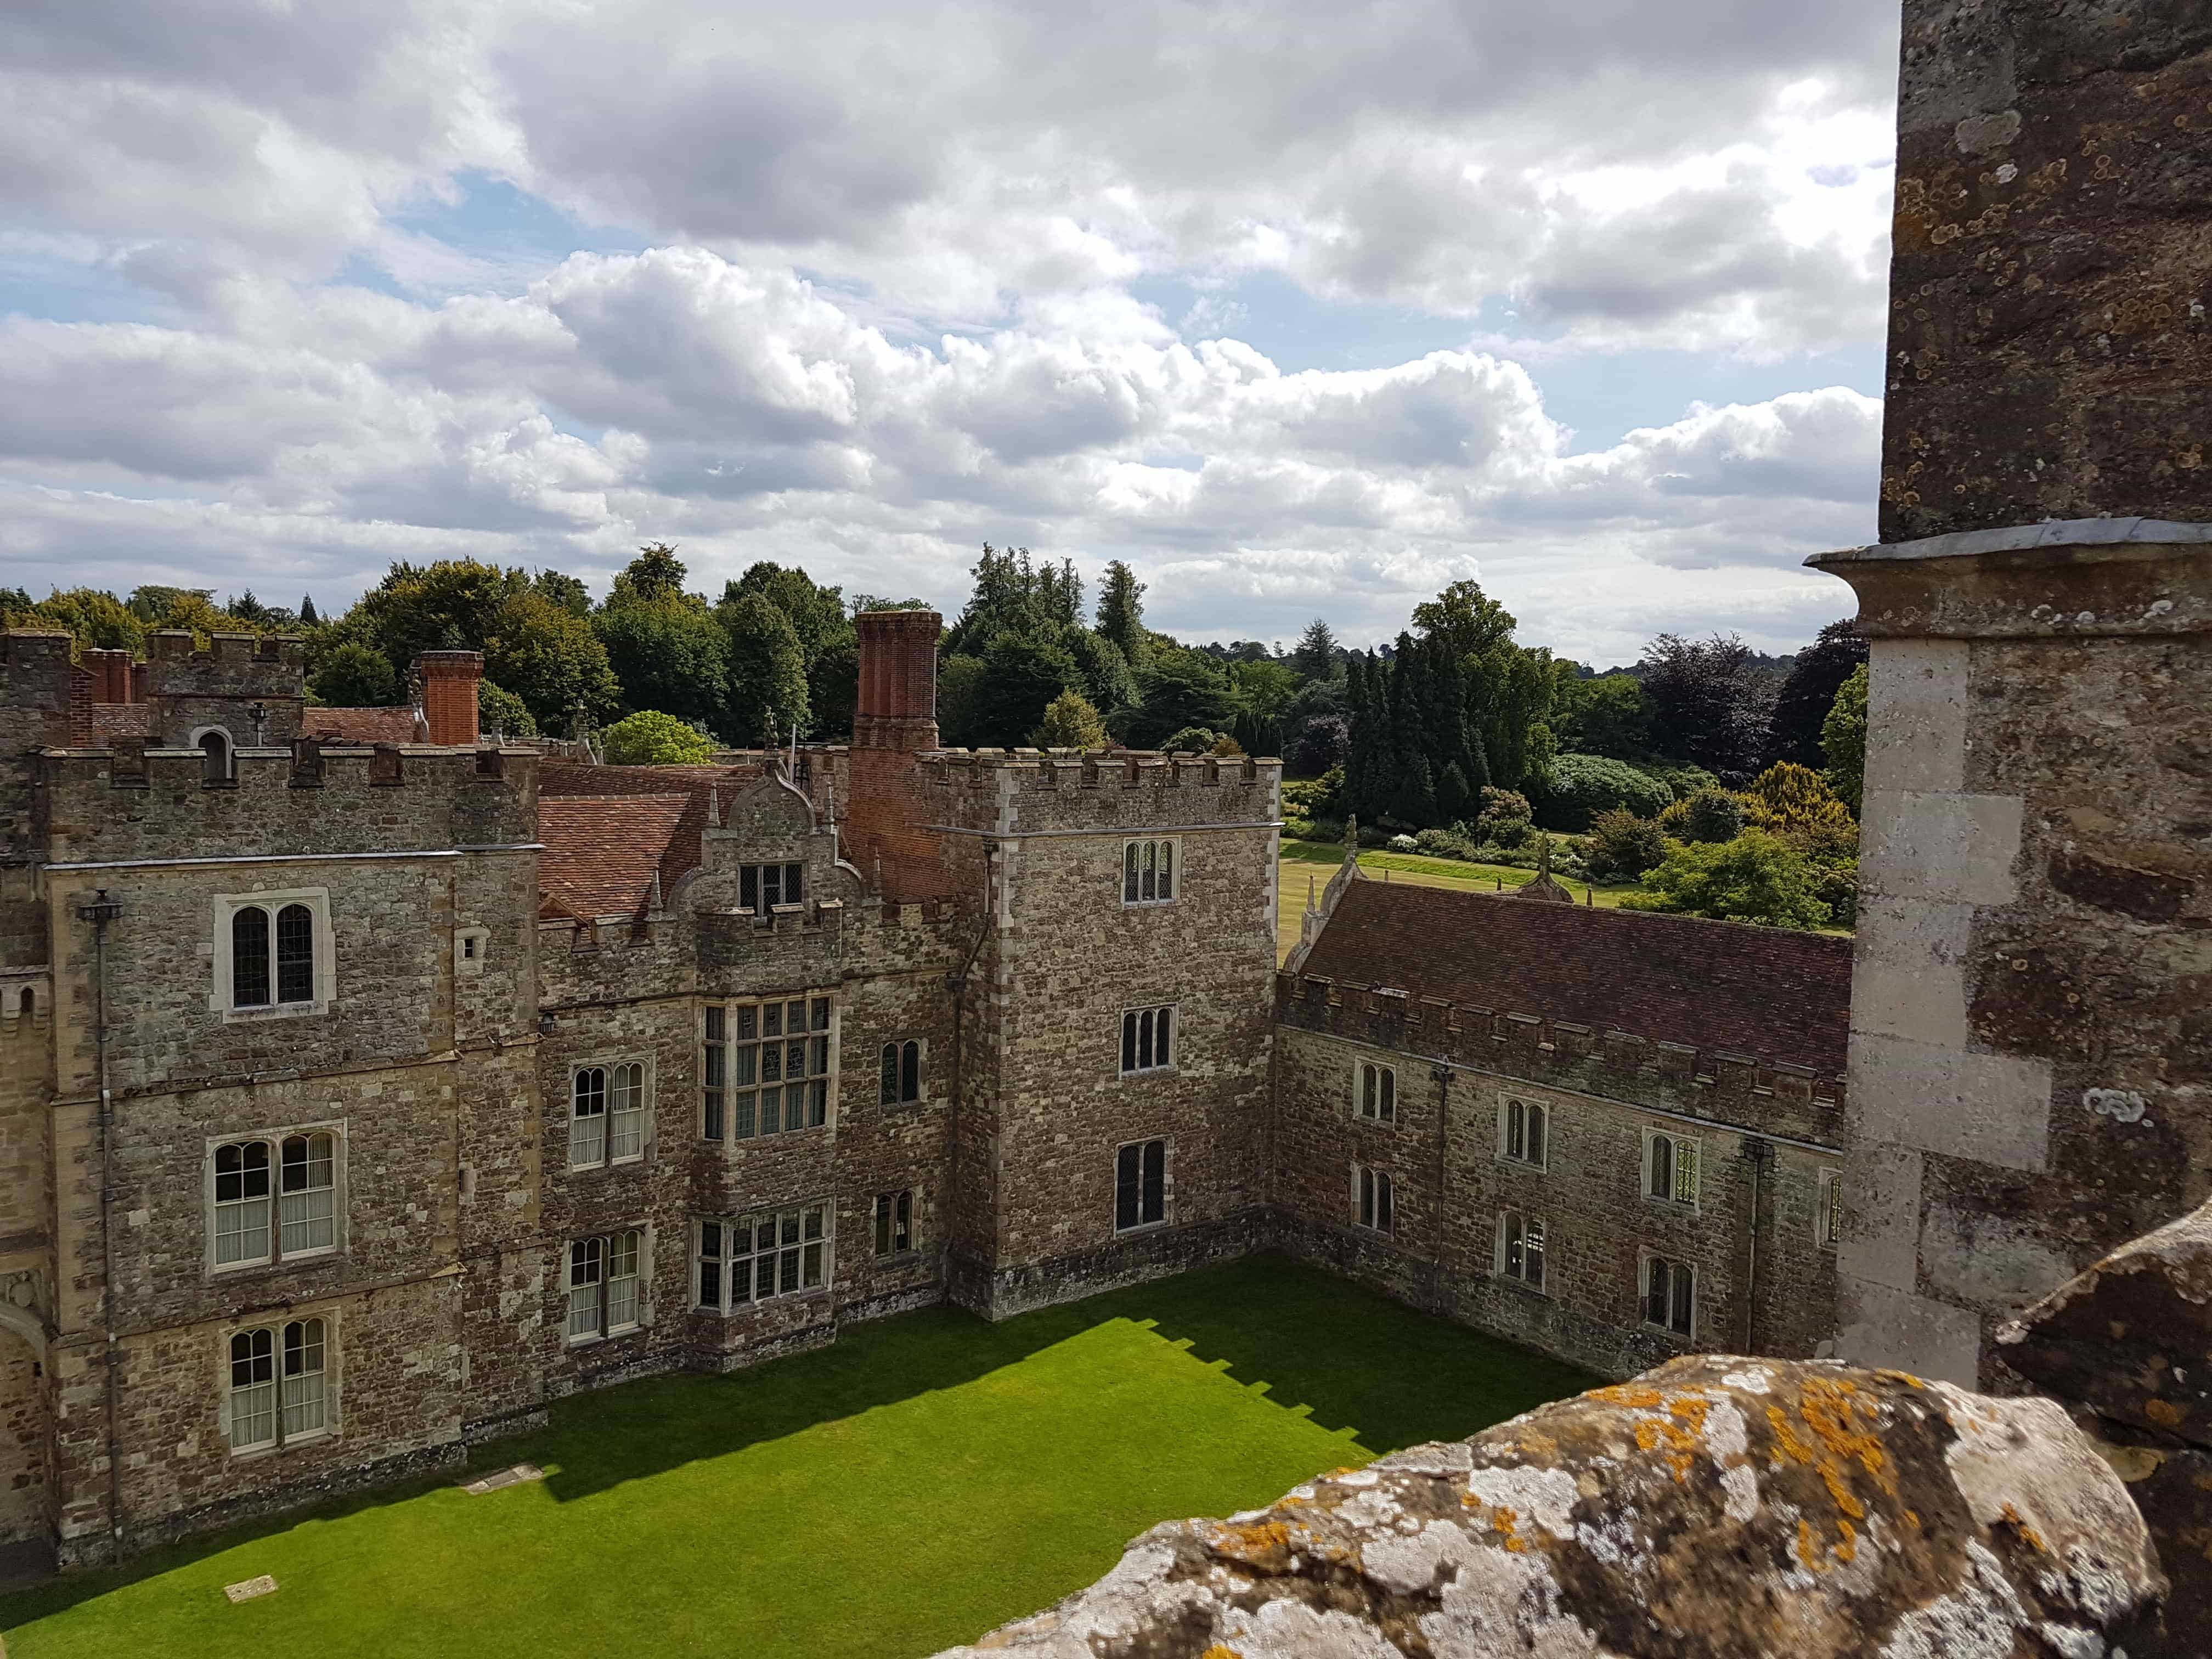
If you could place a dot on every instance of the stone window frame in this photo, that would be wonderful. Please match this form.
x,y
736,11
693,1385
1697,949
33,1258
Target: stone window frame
x,y
333,1376
1166,1184
756,876
610,1242
823,1266
1140,1041
273,900
1828,1211
1141,863
278,1256
1534,1112
1385,1106
895,1218
611,1065
226,776
1676,1142
471,946
1516,1226
717,1053
1374,1200
902,1064
1676,1265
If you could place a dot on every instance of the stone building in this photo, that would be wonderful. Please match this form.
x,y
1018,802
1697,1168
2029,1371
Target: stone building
x,y
362,1095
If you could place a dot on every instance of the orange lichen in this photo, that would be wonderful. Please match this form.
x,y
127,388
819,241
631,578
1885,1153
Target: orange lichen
x,y
1504,1523
2028,1535
1847,1542
1221,1651
1808,1548
2163,1412
1255,1543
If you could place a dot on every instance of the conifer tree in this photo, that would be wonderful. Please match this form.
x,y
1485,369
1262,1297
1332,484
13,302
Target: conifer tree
x,y
308,617
1122,612
1316,655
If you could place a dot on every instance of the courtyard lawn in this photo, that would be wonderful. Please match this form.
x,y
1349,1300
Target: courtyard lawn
x,y
1319,860
927,1478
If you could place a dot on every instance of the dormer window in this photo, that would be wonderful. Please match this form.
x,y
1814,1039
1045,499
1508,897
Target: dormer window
x,y
761,887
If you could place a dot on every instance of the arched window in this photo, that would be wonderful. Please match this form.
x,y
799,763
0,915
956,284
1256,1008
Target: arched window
x,y
272,1405
1147,1038
1378,1092
308,1194
901,1072
241,1202
587,1117
273,955
214,744
1527,1124
603,1284
249,957
295,954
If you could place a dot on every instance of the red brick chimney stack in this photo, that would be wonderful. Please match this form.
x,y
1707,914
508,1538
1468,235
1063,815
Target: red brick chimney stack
x,y
895,720
449,680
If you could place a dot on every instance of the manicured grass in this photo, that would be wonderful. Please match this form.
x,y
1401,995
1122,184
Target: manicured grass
x,y
1320,860
927,1478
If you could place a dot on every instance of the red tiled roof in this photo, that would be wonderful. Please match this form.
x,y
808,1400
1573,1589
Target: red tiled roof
x,y
360,725
556,776
1767,993
111,721
602,852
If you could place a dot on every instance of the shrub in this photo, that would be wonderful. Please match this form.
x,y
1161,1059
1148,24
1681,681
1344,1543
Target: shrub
x,y
650,737
1623,846
1445,844
1584,785
1797,798
1190,740
1836,886
1071,721
1404,844
1757,876
1711,814
1504,818
1843,738
1225,746
499,710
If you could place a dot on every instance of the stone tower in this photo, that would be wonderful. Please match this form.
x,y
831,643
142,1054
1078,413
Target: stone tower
x,y
2031,1053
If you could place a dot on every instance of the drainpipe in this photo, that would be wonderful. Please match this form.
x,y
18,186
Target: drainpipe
x,y
101,911
1442,1076
1755,1150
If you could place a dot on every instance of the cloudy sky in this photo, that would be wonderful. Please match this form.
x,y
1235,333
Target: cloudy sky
x,y
1302,309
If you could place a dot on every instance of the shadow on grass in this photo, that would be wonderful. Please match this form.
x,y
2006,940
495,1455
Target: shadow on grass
x,y
1344,1356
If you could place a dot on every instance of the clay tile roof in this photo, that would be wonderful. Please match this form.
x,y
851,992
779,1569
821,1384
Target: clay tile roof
x,y
111,721
558,776
602,852
359,724
1767,993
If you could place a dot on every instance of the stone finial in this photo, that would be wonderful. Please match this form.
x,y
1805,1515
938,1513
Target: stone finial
x,y
1867,1509
713,808
1310,903
1544,887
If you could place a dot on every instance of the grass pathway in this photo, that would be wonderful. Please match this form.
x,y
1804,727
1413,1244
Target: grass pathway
x,y
925,1478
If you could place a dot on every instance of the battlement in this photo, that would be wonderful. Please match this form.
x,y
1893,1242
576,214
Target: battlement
x,y
34,650
1069,792
1762,1095
1077,768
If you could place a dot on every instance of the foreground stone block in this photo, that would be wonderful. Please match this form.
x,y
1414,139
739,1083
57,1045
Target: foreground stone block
x,y
1715,1506
2132,1337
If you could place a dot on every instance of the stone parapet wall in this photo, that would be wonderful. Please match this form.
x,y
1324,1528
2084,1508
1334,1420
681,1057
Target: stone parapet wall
x,y
1030,791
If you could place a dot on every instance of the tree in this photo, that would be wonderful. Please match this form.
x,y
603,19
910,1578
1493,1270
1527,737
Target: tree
x,y
1709,702
248,610
1014,596
1842,739
1793,731
94,620
355,677
1796,799
1712,815
1191,740
957,679
1757,876
667,648
1180,689
1469,621
1319,745
1020,680
767,671
564,590
655,574
816,614
1454,797
1070,722
1609,714
309,618
551,659
1317,652
1101,667
650,737
1121,613
499,710
1584,785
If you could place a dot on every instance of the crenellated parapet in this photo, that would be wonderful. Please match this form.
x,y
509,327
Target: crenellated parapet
x,y
1760,1094
137,800
1028,791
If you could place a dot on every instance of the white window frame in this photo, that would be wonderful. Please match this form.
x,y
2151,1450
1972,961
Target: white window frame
x,y
1532,1112
1135,1037
1385,1108
274,1221
226,905
732,1066
331,1377
1675,1265
609,1246
1828,1213
1141,866
812,1255
1382,1217
640,1115
1531,1228
1676,1145
1144,1222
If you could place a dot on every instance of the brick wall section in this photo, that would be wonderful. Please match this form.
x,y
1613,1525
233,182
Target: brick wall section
x,y
895,721
449,681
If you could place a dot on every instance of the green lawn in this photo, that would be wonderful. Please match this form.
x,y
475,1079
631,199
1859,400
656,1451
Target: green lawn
x,y
927,1478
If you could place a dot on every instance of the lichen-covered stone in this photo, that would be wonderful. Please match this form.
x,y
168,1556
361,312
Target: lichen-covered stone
x,y
2132,1337
1720,1508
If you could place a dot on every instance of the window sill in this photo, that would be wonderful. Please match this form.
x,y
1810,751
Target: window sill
x,y
1146,904
1374,1122
1523,1164
1363,1230
1150,1072
277,1010
592,1339
264,1264
1160,1225
1540,1292
253,1454
611,1163
814,1294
